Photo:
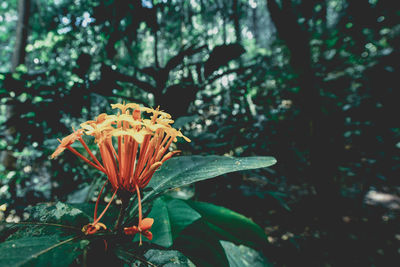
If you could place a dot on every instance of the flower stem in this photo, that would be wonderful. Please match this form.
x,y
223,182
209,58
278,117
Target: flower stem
x,y
139,203
104,211
122,211
140,213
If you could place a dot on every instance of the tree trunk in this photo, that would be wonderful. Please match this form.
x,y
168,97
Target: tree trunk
x,y
322,155
222,6
21,35
224,35
156,60
236,20
255,25
21,38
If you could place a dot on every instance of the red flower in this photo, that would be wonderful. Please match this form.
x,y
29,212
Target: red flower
x,y
91,228
143,228
142,147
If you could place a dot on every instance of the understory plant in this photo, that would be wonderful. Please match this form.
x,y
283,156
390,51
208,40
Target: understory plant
x,y
136,147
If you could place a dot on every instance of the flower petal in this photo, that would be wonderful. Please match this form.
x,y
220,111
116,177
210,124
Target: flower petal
x,y
67,141
131,230
148,235
146,224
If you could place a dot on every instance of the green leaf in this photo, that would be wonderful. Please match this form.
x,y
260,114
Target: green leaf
x,y
170,218
181,216
201,246
229,225
165,258
185,170
40,251
50,219
51,237
161,229
79,196
59,213
280,198
242,256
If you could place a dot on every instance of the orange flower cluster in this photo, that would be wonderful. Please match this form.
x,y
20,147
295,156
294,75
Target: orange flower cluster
x,y
142,147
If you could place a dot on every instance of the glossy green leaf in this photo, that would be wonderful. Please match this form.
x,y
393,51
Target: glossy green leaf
x,y
185,170
242,256
181,216
229,225
201,241
79,196
50,219
60,213
161,229
201,246
51,237
40,251
171,217
165,258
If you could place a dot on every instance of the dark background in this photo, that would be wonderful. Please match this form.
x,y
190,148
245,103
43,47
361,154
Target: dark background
x,y
312,83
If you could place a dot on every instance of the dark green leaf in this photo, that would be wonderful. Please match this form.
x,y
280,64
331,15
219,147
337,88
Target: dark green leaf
x,y
79,196
167,258
51,237
170,218
185,170
181,216
40,251
242,256
229,225
201,246
161,229
153,257
280,198
60,213
48,219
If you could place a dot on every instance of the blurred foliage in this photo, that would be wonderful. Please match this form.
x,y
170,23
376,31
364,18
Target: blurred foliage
x,y
309,82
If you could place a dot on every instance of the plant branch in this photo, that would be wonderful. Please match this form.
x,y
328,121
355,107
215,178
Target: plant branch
x,y
122,212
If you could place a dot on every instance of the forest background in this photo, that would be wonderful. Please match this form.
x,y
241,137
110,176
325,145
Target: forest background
x,y
311,83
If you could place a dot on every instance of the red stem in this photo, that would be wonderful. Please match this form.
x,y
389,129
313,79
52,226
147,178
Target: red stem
x,y
84,158
104,211
90,153
140,213
97,201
